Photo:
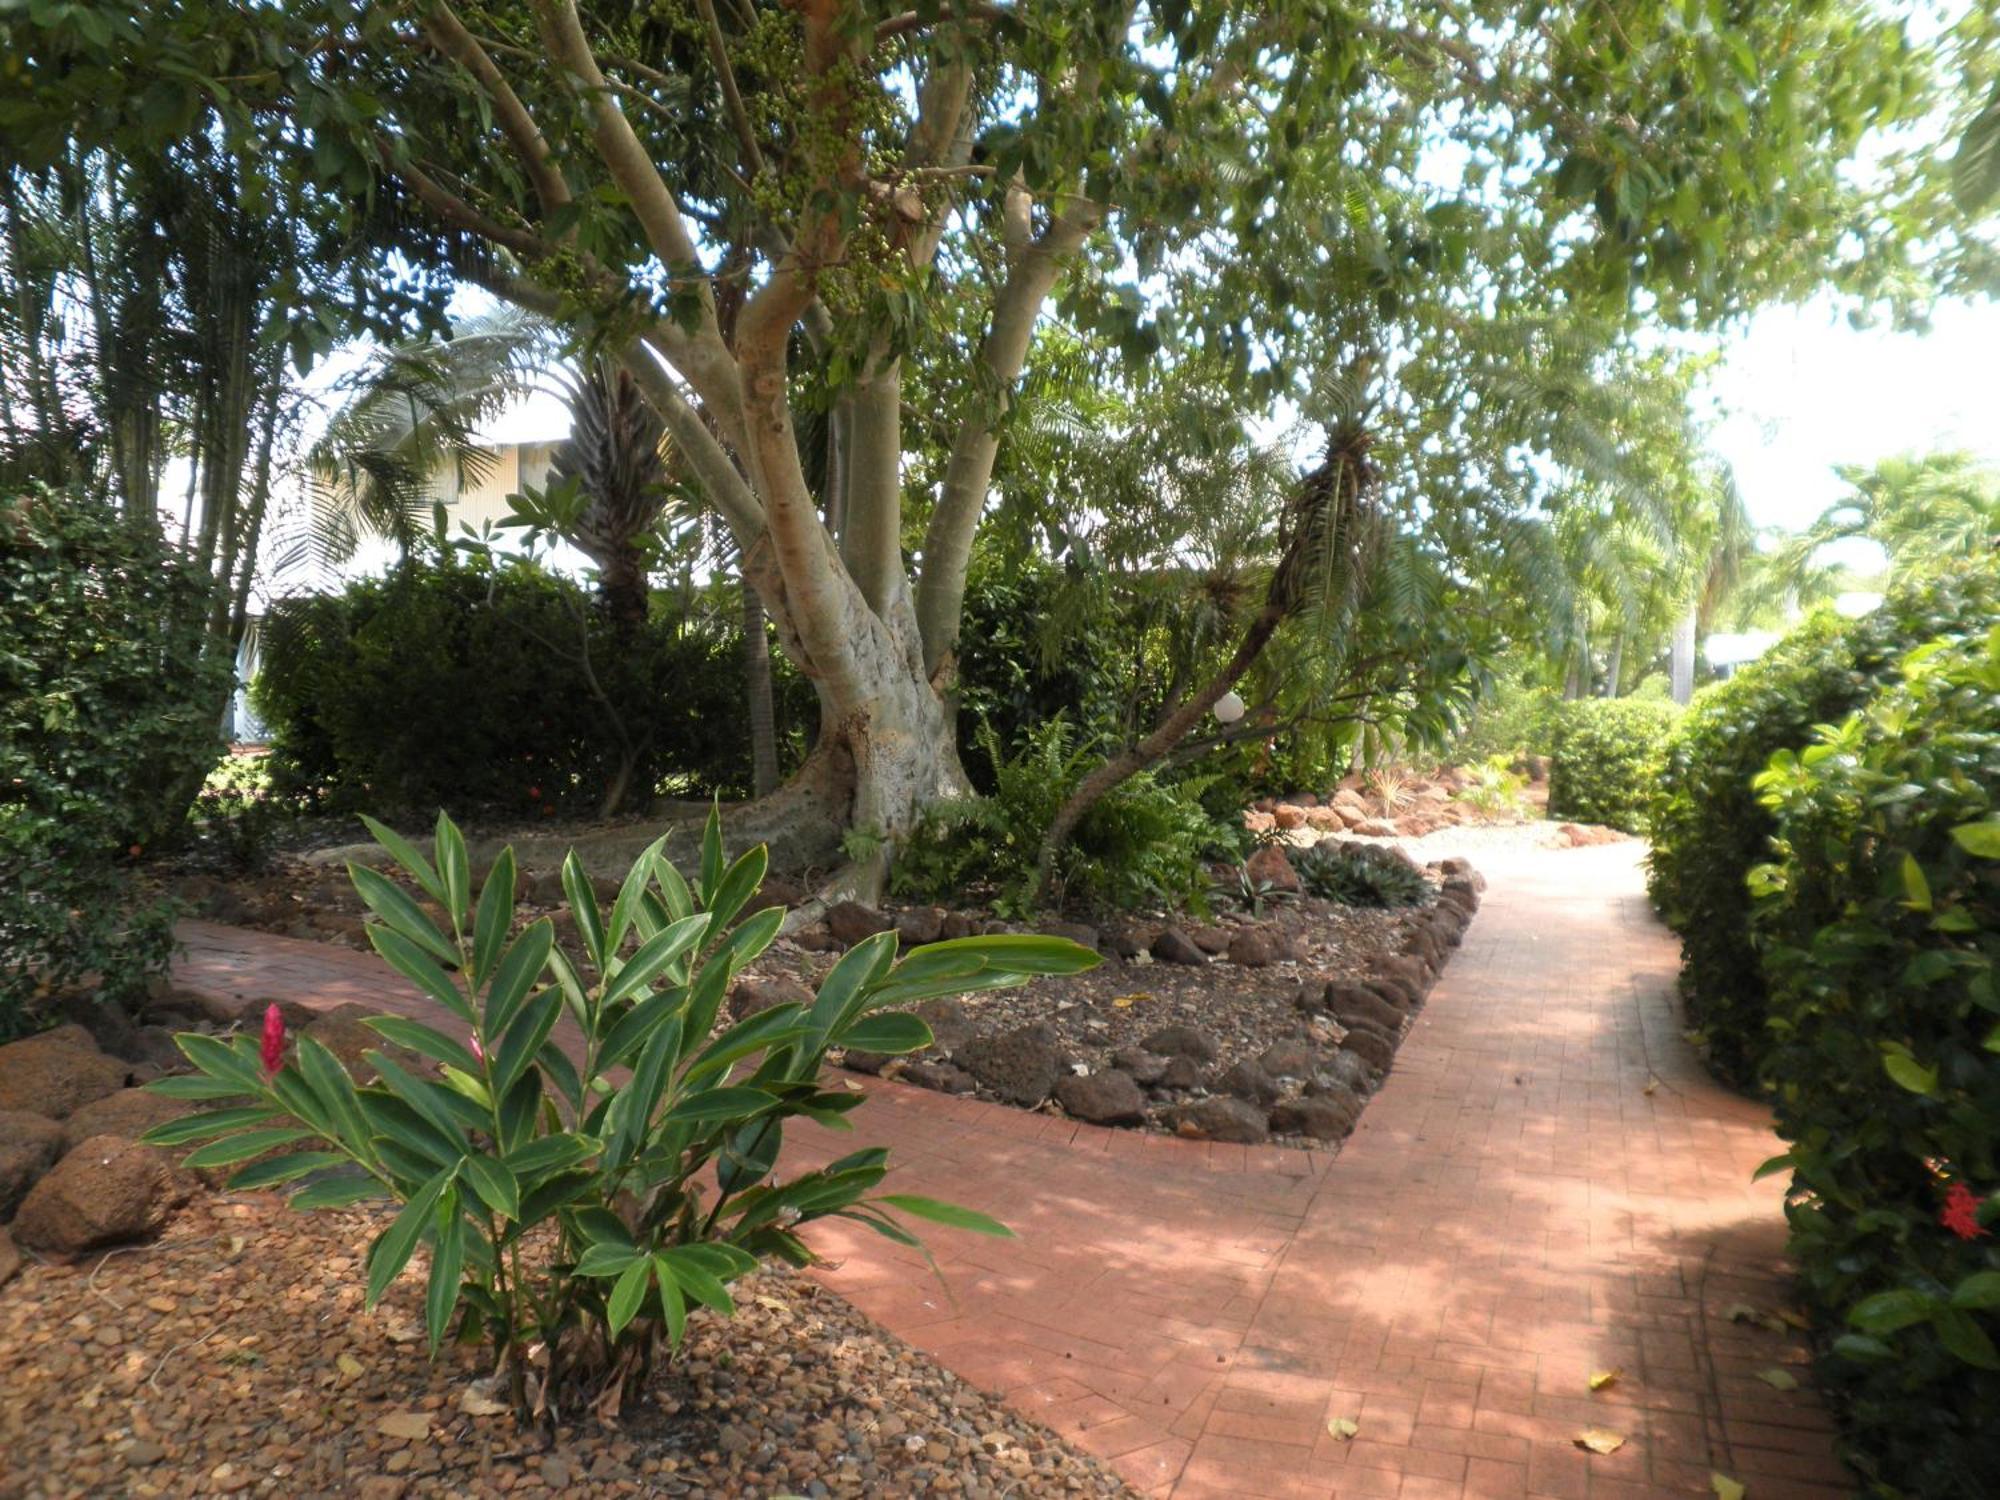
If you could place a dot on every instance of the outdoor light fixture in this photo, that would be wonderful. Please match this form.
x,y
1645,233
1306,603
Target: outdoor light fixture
x,y
1228,708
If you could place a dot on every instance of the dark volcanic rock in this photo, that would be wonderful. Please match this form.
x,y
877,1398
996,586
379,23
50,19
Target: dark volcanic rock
x,y
1255,947
1222,1118
1326,1116
1020,1067
1107,1098
851,921
1182,1041
1246,1080
1175,947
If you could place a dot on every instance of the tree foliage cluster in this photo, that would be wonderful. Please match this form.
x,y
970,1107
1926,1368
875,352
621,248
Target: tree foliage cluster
x,y
1604,757
844,250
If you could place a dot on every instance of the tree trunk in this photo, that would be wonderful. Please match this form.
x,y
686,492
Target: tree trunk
x,y
1682,660
1614,670
757,684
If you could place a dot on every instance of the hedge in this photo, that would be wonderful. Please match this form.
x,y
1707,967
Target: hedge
x,y
107,698
1707,824
454,686
1879,929
1604,759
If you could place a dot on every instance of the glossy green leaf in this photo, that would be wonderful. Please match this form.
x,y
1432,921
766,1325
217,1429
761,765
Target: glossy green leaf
x,y
519,968
281,1169
396,1244
393,905
946,1213
232,1149
628,1295
415,964
423,1040
200,1126
454,870
447,1265
891,1031
494,917
494,1183
1887,1312
583,908
405,854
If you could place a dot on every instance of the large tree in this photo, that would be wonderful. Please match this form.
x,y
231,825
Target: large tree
x,y
820,233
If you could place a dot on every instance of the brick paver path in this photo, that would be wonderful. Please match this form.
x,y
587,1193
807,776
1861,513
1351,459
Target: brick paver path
x,y
1547,1187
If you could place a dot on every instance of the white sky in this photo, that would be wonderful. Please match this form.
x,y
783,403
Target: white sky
x,y
1799,391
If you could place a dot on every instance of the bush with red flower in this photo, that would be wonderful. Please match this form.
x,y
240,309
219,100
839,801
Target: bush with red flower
x,y
1879,930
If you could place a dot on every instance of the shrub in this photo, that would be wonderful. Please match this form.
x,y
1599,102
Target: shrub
x,y
463,686
1879,927
1517,719
562,1211
106,698
1359,875
1605,756
1147,843
1707,824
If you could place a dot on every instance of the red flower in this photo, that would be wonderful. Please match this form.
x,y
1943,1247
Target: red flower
x,y
274,1040
477,1050
1961,1213
534,794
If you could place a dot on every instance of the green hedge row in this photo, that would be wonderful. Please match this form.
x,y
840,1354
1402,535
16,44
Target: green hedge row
x,y
465,688
107,700
1878,925
1707,825
1604,760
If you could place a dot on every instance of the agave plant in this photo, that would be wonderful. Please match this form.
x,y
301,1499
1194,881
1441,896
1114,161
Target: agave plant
x,y
580,1193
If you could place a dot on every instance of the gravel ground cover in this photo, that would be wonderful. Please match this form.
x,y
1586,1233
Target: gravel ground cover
x,y
233,1357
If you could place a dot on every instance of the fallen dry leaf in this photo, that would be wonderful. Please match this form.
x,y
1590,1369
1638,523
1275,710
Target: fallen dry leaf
x,y
1779,1380
351,1367
1600,1440
1126,1002
410,1426
1797,1320
1740,1312
1599,1379
1343,1428
1652,1086
1725,1488
476,1400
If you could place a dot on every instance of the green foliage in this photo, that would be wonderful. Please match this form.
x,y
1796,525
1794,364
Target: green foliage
x,y
464,685
1604,758
1359,875
562,1209
1147,843
104,701
1495,788
1879,927
1707,824
1516,719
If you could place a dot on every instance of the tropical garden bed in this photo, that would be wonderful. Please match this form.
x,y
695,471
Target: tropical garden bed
x,y
234,1356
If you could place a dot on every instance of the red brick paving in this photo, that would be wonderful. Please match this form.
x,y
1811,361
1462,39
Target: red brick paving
x,y
1516,1212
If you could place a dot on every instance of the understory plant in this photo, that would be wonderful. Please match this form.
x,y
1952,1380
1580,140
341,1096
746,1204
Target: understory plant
x,y
1879,928
579,1191
1605,758
1148,842
1359,875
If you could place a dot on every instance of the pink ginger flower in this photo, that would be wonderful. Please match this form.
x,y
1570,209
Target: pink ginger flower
x,y
477,1050
274,1040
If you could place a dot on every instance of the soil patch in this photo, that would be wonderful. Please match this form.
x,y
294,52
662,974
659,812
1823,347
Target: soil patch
x,y
233,1356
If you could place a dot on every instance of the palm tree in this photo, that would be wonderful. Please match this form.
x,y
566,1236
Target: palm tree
x,y
1920,510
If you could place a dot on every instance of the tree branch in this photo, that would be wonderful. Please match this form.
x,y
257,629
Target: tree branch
x,y
954,520
732,98
448,34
